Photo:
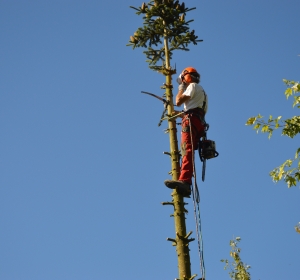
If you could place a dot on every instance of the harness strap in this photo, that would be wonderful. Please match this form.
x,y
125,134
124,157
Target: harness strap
x,y
204,102
199,113
196,111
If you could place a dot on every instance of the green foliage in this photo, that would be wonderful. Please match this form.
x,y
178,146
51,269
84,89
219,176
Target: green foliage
x,y
238,270
289,171
163,20
297,228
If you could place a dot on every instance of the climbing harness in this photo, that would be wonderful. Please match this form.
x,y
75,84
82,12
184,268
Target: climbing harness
x,y
206,148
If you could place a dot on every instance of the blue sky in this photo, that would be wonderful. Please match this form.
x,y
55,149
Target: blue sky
x,y
81,155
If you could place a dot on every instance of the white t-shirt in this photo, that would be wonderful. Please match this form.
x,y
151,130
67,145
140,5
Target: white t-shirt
x,y
198,96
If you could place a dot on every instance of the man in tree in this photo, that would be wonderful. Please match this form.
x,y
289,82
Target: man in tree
x,y
194,100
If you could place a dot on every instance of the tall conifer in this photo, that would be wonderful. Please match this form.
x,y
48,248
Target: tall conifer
x,y
165,29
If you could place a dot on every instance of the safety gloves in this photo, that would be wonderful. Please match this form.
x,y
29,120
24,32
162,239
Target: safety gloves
x,y
182,87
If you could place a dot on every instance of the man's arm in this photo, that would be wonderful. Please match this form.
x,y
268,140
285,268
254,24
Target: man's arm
x,y
180,98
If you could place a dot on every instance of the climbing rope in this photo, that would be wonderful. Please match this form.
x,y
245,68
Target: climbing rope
x,y
196,202
199,236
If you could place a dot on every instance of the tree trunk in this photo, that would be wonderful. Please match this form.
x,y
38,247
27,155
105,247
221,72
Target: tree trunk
x,y
181,239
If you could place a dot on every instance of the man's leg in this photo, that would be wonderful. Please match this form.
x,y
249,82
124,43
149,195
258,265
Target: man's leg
x,y
184,182
186,171
187,148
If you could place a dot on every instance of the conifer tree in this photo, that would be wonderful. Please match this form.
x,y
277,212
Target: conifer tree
x,y
165,29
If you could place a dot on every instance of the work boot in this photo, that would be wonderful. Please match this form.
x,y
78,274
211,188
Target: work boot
x,y
183,188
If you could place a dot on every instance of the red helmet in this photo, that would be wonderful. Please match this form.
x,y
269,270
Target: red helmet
x,y
190,75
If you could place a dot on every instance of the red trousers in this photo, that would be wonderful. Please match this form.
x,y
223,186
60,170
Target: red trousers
x,y
187,149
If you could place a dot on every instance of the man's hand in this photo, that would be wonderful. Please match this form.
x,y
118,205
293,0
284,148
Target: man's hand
x,y
182,87
180,98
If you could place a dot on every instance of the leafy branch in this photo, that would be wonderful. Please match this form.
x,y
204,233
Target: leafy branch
x,y
266,127
290,127
292,175
238,270
297,228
